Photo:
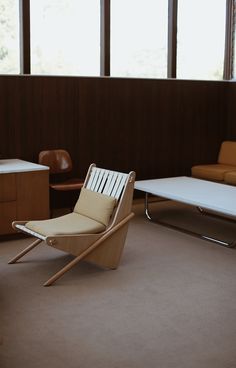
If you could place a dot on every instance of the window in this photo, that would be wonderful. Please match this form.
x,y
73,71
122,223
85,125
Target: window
x,y
65,37
201,37
9,37
139,38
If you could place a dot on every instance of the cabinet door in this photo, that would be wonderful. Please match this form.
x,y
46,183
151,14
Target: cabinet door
x,y
7,215
7,202
7,187
33,195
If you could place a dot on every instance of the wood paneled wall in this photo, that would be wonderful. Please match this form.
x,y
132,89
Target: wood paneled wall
x,y
231,112
156,127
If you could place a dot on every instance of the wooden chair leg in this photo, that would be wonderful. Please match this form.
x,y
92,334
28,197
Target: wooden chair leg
x,y
73,263
23,252
63,270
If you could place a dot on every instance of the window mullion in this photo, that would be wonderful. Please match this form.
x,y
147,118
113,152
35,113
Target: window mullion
x,y
228,56
105,38
172,38
24,36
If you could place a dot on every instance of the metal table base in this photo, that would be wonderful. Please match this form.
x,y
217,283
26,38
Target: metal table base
x,y
186,231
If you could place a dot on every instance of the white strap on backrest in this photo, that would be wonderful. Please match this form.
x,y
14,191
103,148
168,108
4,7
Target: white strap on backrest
x,y
119,186
107,182
93,179
110,183
103,181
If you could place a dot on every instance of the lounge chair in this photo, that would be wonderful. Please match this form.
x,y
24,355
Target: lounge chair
x,y
96,229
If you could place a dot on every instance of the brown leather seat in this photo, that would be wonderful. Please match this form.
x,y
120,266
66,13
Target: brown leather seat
x,y
226,163
59,162
230,177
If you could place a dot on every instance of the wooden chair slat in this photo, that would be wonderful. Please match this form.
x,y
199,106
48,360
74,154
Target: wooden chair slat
x,y
95,174
111,183
119,186
116,185
108,182
102,184
90,180
99,180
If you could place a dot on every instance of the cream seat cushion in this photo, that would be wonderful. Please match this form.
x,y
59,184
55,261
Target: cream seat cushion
x,y
97,206
72,223
211,172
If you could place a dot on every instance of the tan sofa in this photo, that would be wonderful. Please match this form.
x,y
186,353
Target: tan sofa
x,y
230,177
225,168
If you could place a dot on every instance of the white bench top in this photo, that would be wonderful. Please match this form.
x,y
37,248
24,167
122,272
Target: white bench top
x,y
201,193
16,165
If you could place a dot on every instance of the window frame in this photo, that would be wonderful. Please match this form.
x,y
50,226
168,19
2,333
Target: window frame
x,y
25,59
105,29
229,34
172,38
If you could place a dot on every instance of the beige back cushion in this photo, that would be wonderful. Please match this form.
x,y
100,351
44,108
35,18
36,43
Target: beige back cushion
x,y
96,206
227,155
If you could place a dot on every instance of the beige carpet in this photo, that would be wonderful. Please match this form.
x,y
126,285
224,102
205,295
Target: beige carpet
x,y
171,303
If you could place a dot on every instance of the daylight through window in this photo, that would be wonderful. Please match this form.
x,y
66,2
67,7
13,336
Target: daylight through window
x,y
9,37
139,38
65,37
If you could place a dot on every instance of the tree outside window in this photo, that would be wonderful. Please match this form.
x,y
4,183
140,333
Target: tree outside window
x,y
9,37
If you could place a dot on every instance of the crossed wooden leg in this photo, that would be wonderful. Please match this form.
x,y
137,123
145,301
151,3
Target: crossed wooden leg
x,y
26,250
82,255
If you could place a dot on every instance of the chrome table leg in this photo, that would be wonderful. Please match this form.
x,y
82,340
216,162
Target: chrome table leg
x,y
189,232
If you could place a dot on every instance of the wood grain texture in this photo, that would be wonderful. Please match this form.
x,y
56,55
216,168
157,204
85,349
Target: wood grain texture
x,y
32,195
23,196
158,128
7,187
8,211
231,112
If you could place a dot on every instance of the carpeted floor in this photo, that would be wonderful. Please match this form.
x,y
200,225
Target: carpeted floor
x,y
170,304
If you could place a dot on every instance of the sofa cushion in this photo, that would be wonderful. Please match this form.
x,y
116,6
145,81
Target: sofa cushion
x,y
230,177
211,172
227,154
72,223
96,206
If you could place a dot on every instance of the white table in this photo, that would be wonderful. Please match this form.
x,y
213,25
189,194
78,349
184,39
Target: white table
x,y
204,195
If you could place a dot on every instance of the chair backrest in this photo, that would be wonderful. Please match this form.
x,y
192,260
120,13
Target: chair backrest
x,y
106,182
59,161
113,184
227,154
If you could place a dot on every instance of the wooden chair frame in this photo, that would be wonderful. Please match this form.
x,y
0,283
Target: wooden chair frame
x,y
105,248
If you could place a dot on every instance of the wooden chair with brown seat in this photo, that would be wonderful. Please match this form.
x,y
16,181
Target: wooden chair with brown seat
x,y
96,230
60,164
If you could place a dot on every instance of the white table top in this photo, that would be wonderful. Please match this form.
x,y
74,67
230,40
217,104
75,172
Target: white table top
x,y
201,193
15,165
